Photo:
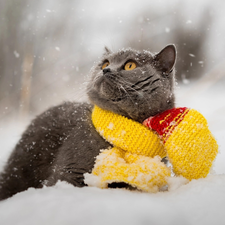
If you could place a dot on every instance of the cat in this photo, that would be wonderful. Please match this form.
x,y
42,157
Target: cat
x,y
62,143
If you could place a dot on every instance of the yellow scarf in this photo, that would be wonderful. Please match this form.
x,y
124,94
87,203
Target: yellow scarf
x,y
136,156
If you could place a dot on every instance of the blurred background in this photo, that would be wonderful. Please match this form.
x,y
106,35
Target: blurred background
x,y
47,49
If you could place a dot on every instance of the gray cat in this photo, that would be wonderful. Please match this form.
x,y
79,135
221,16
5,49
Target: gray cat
x,y
61,143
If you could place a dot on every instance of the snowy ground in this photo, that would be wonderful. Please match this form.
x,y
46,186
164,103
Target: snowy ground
x,y
198,202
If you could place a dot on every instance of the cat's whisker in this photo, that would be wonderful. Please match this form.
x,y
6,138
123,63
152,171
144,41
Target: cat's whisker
x,y
88,88
128,85
126,92
139,93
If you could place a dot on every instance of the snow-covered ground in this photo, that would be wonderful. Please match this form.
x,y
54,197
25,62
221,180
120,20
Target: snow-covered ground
x,y
198,202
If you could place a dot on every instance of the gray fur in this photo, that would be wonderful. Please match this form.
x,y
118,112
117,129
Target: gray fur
x,y
61,143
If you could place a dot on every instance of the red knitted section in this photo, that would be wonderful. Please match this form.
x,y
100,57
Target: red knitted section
x,y
164,123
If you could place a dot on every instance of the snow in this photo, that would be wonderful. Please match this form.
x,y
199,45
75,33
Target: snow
x,y
16,54
167,29
192,55
197,202
111,126
57,48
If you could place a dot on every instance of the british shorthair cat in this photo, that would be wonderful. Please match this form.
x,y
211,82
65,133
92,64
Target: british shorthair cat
x,y
62,143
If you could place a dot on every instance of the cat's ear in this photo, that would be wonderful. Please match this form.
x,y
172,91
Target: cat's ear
x,y
165,59
107,51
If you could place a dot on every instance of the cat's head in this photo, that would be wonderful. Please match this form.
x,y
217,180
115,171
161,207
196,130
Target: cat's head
x,y
134,84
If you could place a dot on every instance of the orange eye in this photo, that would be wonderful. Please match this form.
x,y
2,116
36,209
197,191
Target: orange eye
x,y
105,65
130,66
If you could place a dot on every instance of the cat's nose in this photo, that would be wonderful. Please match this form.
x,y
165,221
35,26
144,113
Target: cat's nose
x,y
105,70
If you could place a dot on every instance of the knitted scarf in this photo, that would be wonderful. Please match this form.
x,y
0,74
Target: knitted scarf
x,y
181,134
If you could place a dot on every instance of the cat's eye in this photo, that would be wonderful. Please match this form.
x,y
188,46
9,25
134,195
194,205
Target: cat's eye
x,y
130,66
105,65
